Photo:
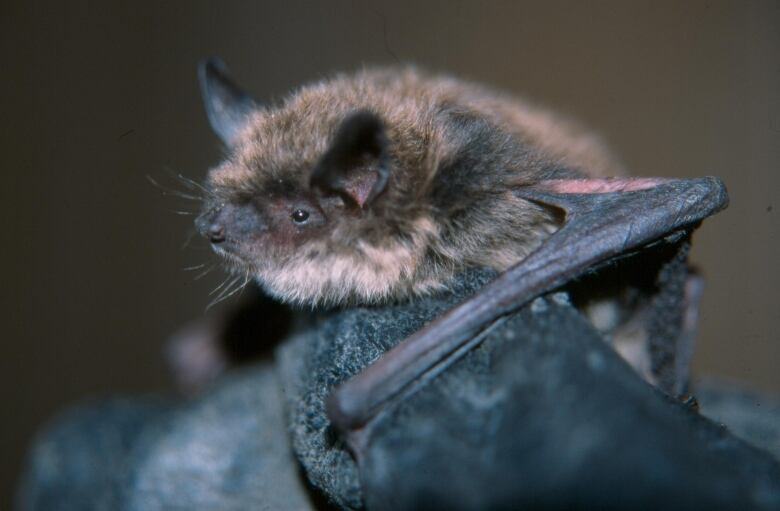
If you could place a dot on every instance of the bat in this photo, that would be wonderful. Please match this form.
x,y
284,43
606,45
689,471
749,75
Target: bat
x,y
382,185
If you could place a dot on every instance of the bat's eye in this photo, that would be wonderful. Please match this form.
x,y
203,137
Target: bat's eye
x,y
300,216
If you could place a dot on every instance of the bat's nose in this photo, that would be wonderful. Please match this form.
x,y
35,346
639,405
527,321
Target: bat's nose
x,y
216,233
229,222
211,226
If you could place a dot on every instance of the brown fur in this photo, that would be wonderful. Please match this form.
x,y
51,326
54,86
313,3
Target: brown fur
x,y
457,151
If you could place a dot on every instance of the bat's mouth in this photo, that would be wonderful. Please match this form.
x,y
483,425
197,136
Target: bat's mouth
x,y
231,253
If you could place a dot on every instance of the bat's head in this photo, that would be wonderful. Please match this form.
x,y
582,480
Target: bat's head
x,y
304,204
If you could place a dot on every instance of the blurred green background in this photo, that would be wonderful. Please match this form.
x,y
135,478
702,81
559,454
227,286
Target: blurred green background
x,y
96,95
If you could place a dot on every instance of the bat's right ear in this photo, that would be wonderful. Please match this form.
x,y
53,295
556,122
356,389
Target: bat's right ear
x,y
227,105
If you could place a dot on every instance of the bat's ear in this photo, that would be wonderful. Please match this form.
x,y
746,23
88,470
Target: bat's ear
x,y
227,105
355,166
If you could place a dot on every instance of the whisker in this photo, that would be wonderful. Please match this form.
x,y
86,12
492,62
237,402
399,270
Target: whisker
x,y
218,298
196,267
190,236
247,278
192,184
187,182
187,213
206,272
229,289
229,277
224,295
170,191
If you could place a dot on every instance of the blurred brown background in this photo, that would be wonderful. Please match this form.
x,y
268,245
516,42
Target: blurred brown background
x,y
97,96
